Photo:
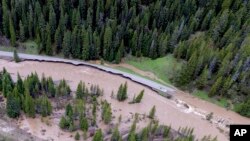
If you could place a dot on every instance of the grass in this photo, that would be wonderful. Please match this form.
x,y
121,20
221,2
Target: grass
x,y
223,102
132,72
163,68
29,47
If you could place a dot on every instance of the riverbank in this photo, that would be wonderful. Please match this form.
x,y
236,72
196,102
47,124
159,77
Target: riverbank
x,y
179,112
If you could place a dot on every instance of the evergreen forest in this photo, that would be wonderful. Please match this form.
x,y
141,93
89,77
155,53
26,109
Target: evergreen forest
x,y
212,37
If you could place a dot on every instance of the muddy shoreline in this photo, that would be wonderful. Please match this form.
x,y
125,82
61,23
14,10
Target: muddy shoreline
x,y
169,112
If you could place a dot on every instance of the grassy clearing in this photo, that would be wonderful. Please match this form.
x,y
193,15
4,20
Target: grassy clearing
x,y
29,47
163,68
132,72
223,102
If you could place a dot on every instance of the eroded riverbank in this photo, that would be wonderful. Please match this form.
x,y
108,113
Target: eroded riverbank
x,y
169,112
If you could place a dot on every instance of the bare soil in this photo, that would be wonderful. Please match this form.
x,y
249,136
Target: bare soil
x,y
184,110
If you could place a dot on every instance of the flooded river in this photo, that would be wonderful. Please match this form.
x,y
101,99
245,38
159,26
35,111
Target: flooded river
x,y
181,112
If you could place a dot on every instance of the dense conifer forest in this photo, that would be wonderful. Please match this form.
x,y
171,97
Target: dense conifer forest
x,y
211,36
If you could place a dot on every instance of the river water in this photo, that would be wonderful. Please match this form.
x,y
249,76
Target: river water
x,y
168,112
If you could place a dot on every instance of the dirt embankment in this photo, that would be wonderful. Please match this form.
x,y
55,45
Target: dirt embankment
x,y
183,111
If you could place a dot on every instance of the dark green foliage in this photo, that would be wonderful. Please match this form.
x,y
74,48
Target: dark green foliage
x,y
13,105
95,90
22,32
32,83
80,91
48,86
202,81
63,89
64,123
122,92
98,136
244,108
116,135
166,130
83,123
69,111
139,97
29,104
7,83
29,95
132,132
66,45
202,33
67,121
16,57
48,48
12,33
106,112
216,87
20,84
77,136
43,106
152,113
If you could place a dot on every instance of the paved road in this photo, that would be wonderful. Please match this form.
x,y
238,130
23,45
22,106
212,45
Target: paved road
x,y
151,84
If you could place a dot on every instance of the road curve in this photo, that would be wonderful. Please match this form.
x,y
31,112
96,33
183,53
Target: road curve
x,y
149,83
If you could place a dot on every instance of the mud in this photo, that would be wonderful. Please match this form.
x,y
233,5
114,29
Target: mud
x,y
184,110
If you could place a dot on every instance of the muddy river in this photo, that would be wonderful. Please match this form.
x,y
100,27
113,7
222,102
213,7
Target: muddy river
x,y
184,110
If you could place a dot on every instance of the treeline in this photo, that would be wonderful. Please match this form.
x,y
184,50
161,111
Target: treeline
x,y
217,53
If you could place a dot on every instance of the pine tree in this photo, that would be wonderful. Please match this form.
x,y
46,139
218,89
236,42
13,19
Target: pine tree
x,y
107,41
52,21
79,91
22,32
152,113
118,56
215,88
69,111
13,104
20,84
98,136
86,45
16,57
44,106
226,86
139,97
134,43
132,134
186,74
66,43
77,136
29,104
7,84
64,123
202,81
83,123
49,50
106,112
5,18
119,93
124,91
116,135
58,40
12,32
89,17
145,134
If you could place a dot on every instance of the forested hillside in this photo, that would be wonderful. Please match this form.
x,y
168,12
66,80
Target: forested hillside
x,y
211,35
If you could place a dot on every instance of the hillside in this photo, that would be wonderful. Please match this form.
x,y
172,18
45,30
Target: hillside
x,y
211,36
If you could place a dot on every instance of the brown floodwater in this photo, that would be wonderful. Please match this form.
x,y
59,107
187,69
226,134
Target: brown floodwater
x,y
168,112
